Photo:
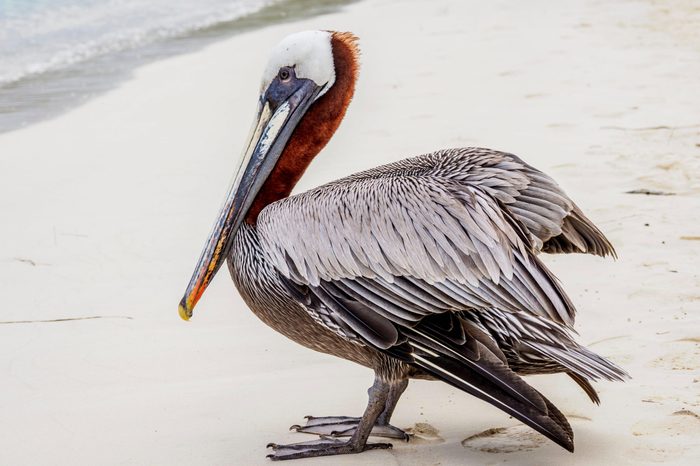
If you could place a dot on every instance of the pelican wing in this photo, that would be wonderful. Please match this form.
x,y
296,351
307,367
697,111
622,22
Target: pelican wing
x,y
468,219
386,248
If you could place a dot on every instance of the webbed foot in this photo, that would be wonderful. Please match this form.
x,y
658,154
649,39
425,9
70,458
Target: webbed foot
x,y
345,426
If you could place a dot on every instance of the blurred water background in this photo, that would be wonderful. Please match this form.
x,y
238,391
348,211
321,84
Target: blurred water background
x,y
55,54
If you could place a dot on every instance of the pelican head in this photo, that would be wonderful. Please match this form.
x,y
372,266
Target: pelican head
x,y
306,87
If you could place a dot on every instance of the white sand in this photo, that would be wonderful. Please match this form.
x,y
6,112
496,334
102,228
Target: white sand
x,y
105,209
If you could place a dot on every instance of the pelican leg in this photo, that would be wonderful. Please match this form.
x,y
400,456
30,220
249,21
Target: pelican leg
x,y
378,396
392,400
345,426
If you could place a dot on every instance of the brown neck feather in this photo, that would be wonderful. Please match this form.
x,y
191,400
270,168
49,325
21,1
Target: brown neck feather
x,y
314,130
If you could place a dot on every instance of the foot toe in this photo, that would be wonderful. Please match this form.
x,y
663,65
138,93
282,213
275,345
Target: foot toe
x,y
344,426
323,447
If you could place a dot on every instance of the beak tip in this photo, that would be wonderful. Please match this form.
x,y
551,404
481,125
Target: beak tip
x,y
185,314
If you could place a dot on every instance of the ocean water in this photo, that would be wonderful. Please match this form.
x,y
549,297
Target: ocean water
x,y
55,54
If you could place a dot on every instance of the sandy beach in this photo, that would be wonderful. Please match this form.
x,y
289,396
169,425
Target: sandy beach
x,y
105,209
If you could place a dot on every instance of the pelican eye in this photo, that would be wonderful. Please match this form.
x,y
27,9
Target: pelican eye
x,y
284,74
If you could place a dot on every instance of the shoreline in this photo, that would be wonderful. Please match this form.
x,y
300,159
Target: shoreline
x,y
106,208
35,98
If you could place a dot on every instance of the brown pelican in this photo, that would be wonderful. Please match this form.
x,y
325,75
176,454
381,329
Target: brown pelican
x,y
423,268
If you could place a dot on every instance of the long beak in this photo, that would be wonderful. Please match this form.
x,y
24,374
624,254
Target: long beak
x,y
269,136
